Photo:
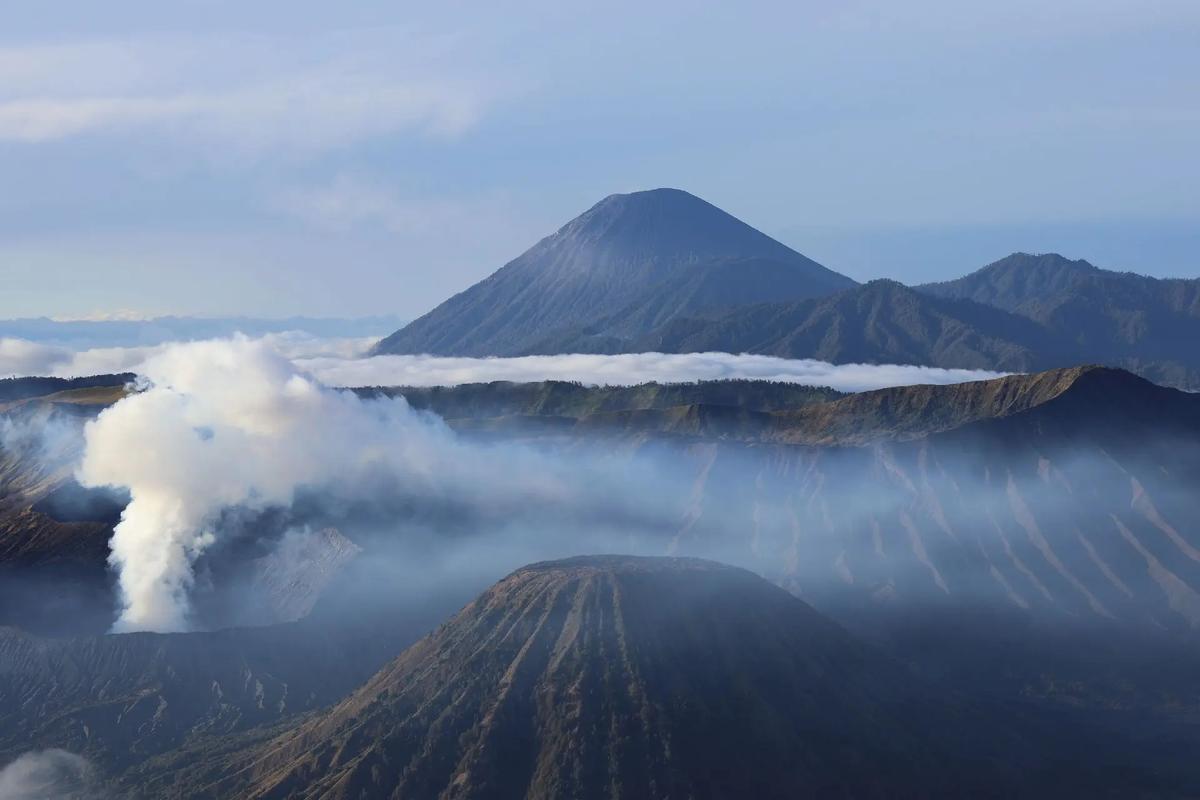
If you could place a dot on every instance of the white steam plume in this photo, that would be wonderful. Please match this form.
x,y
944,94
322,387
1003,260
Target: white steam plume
x,y
232,424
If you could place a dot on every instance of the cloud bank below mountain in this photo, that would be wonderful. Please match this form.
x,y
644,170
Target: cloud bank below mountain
x,y
626,369
338,362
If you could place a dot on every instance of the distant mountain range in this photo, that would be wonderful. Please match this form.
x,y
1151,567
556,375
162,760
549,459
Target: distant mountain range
x,y
665,271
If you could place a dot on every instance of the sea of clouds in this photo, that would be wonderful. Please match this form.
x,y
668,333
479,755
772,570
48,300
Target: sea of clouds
x,y
344,362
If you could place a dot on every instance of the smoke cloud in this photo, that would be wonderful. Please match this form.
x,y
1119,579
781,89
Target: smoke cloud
x,y
233,425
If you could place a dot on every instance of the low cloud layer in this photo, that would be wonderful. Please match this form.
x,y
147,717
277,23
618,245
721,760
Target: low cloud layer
x,y
19,357
339,362
627,369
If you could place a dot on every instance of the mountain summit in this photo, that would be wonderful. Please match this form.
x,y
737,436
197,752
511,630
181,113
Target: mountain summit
x,y
606,266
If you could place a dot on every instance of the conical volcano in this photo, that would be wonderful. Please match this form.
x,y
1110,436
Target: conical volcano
x,y
625,251
614,676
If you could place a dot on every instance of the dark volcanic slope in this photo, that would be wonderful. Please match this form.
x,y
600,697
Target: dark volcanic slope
x,y
633,256
1121,318
633,677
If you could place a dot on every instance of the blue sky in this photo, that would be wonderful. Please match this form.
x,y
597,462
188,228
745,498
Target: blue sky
x,y
361,158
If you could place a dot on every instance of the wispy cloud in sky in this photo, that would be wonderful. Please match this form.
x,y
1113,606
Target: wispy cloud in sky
x,y
255,94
